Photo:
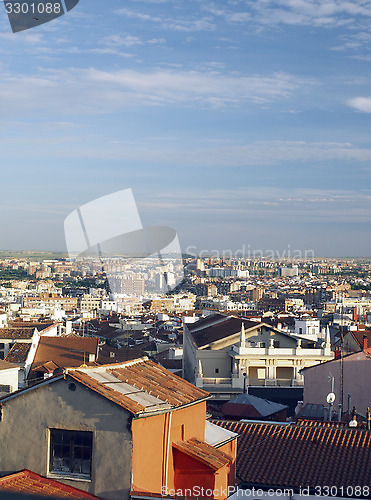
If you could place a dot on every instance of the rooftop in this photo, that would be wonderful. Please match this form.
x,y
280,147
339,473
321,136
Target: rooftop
x,y
18,353
27,482
16,333
249,406
5,365
230,326
65,352
204,453
140,386
271,454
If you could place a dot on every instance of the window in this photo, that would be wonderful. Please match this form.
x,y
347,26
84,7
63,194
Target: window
x,y
2,345
71,452
216,370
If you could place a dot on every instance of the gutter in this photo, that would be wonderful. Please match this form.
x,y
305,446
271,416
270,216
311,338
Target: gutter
x,y
153,413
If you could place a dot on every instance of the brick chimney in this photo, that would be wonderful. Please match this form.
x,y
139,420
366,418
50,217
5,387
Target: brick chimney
x,y
337,353
365,343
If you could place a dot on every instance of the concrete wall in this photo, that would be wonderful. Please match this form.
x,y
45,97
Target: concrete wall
x,y
25,435
266,335
357,376
10,377
215,364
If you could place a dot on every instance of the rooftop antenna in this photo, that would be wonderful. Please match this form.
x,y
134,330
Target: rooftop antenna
x,y
330,398
342,352
353,422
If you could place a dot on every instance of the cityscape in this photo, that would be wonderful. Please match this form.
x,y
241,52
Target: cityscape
x,y
276,348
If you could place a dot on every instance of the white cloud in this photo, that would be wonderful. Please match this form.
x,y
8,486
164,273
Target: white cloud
x,y
361,104
186,24
266,202
92,91
118,40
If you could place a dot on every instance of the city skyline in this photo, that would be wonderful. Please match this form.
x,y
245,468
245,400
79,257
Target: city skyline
x,y
239,124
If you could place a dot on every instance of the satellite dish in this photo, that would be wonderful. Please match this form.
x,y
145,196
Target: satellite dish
x,y
330,398
353,423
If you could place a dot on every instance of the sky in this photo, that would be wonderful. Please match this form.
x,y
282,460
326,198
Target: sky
x,y
243,125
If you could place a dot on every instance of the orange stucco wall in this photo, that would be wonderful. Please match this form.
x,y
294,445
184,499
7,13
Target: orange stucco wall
x,y
230,450
153,462
191,474
194,479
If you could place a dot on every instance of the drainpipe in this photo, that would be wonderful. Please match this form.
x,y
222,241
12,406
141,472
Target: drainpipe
x,y
167,450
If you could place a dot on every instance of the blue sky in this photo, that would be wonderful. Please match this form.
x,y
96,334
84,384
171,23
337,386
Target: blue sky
x,y
238,123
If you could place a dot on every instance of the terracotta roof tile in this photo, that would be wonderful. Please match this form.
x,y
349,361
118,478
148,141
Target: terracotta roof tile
x,y
65,352
16,333
159,382
18,353
204,453
30,483
139,386
297,455
107,392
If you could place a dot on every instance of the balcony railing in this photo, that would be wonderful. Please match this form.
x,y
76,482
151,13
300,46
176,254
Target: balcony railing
x,y
216,381
253,382
274,382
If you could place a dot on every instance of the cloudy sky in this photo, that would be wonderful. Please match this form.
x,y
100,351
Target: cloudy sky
x,y
239,123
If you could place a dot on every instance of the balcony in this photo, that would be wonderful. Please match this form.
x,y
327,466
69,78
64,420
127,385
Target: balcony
x,y
251,382
217,381
274,382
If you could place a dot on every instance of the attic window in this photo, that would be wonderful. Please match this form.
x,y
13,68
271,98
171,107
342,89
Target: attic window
x,y
71,453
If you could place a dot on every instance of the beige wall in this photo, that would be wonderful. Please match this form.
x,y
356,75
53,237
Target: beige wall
x,y
24,435
10,377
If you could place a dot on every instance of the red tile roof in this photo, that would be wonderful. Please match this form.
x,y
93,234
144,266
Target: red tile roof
x,y
140,379
107,392
301,455
159,382
18,353
67,351
358,337
203,452
16,333
30,483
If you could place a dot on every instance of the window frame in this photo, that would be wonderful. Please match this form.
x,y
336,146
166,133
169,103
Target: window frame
x,y
69,437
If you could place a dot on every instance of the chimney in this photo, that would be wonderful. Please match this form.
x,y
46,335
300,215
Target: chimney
x,y
365,342
337,353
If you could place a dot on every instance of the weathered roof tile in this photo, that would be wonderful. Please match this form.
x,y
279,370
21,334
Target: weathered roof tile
x,y
203,452
306,454
29,483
